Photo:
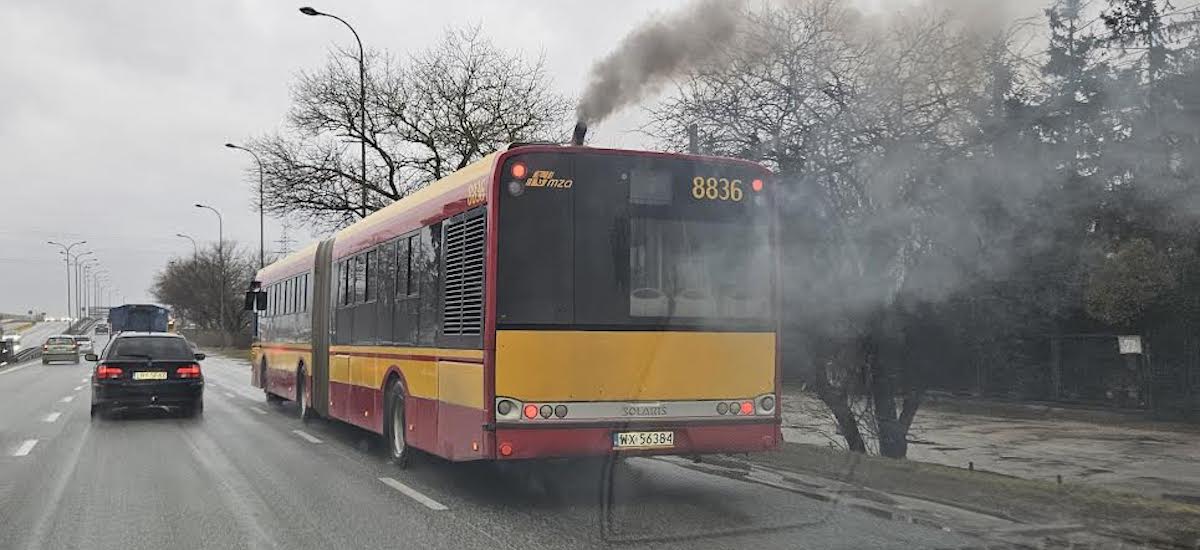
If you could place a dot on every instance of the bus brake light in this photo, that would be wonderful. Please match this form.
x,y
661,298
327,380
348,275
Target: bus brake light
x,y
747,407
757,185
519,171
531,411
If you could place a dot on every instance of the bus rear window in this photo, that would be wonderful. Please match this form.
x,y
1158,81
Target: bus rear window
x,y
605,240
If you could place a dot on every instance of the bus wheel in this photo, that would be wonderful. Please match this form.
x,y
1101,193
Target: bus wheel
x,y
262,378
306,412
394,427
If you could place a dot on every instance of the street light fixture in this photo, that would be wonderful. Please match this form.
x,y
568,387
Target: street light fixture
x,y
66,252
362,96
195,249
261,233
220,262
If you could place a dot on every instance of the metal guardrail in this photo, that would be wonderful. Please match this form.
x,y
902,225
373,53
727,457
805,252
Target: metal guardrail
x,y
33,352
27,354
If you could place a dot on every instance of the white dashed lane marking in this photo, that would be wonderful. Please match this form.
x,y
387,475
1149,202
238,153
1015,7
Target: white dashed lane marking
x,y
52,417
257,410
25,447
77,388
306,436
68,399
413,494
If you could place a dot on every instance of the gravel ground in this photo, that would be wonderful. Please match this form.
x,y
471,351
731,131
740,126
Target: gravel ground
x,y
1153,459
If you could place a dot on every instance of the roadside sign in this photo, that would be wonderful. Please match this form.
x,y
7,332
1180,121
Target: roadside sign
x,y
1129,345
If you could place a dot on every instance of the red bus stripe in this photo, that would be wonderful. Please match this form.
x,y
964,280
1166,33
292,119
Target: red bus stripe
x,y
381,355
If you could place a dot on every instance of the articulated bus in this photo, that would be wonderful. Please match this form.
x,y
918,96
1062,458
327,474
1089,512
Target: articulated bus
x,y
543,302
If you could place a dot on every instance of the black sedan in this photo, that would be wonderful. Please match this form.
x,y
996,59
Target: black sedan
x,y
148,369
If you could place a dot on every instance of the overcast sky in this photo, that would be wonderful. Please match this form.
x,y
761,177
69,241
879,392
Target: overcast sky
x,y
113,113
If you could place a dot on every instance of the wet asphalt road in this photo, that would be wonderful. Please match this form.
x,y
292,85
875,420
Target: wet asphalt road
x,y
37,334
248,474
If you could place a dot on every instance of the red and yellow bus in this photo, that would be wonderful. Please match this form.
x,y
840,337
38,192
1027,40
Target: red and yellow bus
x,y
545,301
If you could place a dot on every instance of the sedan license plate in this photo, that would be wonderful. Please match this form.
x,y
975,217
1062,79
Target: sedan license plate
x,y
150,375
643,440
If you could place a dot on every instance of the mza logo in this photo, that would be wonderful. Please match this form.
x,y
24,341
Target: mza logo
x,y
545,178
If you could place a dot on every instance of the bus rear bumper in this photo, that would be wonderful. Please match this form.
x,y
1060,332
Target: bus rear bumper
x,y
528,442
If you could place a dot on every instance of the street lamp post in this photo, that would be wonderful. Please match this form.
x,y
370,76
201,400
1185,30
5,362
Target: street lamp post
x,y
83,269
67,254
195,249
98,277
261,234
75,258
220,263
362,96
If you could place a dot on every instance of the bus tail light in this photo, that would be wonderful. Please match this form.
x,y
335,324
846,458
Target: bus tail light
x,y
757,185
546,411
519,170
105,372
722,408
560,411
747,407
531,411
765,404
506,449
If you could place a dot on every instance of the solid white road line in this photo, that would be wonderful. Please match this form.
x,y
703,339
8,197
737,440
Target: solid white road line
x,y
257,410
52,417
306,436
413,494
68,399
25,447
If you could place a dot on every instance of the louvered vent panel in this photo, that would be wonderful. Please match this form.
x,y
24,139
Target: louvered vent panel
x,y
463,314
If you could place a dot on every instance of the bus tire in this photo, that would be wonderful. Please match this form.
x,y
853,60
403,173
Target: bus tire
x,y
262,378
306,411
394,426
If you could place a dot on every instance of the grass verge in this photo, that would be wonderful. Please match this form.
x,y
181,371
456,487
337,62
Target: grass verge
x,y
238,354
1131,517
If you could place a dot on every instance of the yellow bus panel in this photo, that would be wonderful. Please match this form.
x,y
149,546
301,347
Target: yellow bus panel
x,y
633,366
461,383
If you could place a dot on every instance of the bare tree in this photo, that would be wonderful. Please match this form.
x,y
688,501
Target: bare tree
x,y
858,120
192,287
428,114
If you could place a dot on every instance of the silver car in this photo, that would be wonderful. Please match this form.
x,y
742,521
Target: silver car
x,y
85,343
60,347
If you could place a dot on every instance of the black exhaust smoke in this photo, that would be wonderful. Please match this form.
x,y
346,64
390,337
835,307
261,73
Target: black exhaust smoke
x,y
580,133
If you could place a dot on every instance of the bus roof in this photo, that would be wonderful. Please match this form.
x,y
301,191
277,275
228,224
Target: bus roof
x,y
435,201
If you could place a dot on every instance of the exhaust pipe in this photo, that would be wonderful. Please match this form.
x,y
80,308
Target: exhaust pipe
x,y
580,133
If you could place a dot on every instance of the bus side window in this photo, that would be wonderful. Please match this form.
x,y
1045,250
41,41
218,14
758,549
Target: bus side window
x,y
370,265
405,312
359,280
